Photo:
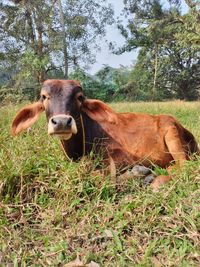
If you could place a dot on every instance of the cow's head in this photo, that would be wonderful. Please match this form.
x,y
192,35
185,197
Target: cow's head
x,y
62,101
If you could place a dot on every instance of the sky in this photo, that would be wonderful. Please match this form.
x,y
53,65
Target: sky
x,y
113,34
105,56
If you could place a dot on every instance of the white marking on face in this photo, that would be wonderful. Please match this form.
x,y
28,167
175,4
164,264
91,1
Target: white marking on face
x,y
63,136
62,133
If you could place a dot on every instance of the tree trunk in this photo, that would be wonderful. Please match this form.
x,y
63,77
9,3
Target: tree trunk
x,y
41,76
65,53
39,46
30,30
155,72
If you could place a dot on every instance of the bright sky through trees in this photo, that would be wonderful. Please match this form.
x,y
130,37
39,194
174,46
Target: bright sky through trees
x,y
107,57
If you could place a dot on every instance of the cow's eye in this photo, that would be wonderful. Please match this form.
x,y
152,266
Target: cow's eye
x,y
80,98
43,97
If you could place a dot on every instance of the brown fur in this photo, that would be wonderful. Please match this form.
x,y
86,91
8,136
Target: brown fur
x,y
26,117
131,138
144,139
148,138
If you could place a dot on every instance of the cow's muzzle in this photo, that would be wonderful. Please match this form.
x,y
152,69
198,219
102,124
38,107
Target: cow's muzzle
x,y
62,126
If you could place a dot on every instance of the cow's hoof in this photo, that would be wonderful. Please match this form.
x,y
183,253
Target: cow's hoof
x,y
149,178
139,170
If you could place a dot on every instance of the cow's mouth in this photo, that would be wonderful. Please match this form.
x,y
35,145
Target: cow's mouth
x,y
62,126
62,135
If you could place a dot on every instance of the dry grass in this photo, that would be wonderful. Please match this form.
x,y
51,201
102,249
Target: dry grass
x,y
51,209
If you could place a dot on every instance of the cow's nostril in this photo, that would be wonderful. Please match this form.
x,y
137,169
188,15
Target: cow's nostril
x,y
53,121
69,121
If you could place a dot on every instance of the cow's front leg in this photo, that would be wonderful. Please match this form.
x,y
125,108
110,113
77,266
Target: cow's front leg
x,y
138,171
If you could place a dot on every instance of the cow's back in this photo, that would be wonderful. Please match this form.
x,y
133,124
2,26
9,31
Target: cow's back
x,y
140,138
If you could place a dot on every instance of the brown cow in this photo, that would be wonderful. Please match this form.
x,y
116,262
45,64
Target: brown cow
x,y
88,124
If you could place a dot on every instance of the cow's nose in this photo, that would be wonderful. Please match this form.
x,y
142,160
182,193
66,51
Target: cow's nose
x,y
69,122
61,122
55,121
62,125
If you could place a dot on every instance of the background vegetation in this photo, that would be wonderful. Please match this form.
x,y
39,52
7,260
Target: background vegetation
x,y
45,39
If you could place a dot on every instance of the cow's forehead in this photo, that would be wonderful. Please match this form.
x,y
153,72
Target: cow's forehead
x,y
54,86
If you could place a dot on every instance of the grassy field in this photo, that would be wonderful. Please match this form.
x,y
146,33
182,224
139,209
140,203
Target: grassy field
x,y
52,210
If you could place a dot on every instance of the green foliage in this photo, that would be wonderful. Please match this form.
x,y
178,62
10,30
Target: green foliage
x,y
85,23
189,36
45,39
177,74
31,65
106,84
53,210
31,35
92,87
10,95
168,61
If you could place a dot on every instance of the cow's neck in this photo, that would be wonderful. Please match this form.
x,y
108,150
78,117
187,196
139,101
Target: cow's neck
x,y
90,136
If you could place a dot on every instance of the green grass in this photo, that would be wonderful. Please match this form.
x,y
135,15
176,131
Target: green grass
x,y
51,209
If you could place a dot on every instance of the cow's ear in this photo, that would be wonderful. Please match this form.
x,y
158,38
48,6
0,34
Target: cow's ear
x,y
26,117
99,111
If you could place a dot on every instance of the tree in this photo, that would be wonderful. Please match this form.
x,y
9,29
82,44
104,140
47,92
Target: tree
x,y
94,86
25,29
65,52
114,80
31,34
107,84
168,60
85,22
